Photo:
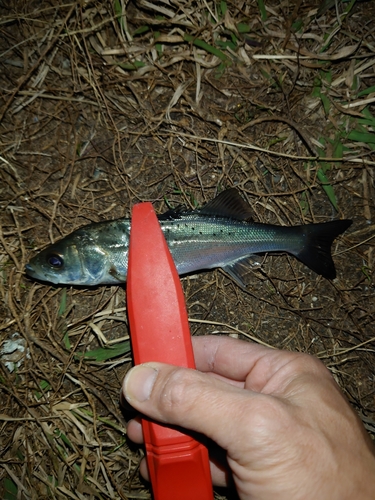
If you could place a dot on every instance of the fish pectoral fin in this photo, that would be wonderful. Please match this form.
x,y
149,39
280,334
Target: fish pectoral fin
x,y
238,269
118,276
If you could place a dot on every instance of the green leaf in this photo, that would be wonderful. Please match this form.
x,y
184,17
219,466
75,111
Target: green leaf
x,y
141,30
223,7
356,83
366,121
45,386
117,7
367,91
159,49
207,47
219,71
327,187
225,44
304,203
60,435
366,137
338,148
262,9
367,272
118,12
132,66
243,28
326,103
62,307
328,34
316,92
326,76
105,353
66,341
11,490
276,140
297,25
158,46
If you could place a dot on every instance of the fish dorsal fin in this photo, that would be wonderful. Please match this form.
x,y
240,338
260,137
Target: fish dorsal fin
x,y
228,204
173,213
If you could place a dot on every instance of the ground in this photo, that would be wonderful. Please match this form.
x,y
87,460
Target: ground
x,y
104,105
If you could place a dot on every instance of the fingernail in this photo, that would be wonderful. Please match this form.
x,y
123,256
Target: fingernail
x,y
139,382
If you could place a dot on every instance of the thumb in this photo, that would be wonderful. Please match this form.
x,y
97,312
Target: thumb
x,y
190,399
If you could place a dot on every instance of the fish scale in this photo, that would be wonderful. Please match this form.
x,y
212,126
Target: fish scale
x,y
215,242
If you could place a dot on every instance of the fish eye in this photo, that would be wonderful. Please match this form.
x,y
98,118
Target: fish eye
x,y
55,260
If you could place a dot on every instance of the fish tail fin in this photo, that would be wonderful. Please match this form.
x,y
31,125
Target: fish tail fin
x,y
316,249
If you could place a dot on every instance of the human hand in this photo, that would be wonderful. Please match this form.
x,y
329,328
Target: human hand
x,y
288,431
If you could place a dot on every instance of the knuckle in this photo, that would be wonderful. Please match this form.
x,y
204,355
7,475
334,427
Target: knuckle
x,y
305,363
265,418
177,389
313,365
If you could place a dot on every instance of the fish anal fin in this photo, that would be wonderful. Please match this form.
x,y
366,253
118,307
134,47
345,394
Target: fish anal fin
x,y
238,269
230,204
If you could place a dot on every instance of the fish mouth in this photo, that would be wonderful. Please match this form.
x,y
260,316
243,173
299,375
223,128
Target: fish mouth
x,y
29,270
32,273
37,275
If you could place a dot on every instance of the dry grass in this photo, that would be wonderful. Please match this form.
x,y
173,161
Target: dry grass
x,y
107,104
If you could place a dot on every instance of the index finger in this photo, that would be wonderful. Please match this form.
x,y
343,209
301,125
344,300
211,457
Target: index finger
x,y
240,360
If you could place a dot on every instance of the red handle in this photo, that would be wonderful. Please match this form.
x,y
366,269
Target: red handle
x,y
177,463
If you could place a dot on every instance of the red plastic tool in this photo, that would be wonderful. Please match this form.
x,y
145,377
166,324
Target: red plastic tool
x,y
178,464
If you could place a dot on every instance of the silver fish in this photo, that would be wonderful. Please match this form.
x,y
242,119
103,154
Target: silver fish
x,y
220,234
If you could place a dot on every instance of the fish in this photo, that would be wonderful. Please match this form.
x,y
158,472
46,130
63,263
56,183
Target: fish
x,y
221,234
